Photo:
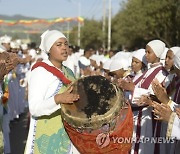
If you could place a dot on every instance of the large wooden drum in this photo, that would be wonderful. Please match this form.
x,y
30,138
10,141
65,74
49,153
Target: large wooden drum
x,y
99,118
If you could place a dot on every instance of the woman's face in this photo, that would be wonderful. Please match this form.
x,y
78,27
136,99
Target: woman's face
x,y
169,60
136,64
119,73
150,55
59,50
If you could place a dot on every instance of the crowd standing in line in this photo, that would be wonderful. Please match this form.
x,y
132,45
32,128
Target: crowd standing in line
x,y
149,78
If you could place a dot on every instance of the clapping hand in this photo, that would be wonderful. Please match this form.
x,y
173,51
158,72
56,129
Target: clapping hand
x,y
160,91
161,111
126,84
143,100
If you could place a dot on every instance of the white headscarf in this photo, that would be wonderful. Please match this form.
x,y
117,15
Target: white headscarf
x,y
118,64
163,55
175,50
24,46
106,64
140,55
14,45
2,48
177,60
95,58
48,38
157,46
5,39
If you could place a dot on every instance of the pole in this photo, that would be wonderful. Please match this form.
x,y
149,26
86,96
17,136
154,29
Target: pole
x,y
104,23
68,31
109,27
79,25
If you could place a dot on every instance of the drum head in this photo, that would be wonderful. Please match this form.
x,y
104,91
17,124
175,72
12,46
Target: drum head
x,y
99,103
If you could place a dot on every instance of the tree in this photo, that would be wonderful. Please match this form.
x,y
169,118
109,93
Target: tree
x,y
140,21
91,34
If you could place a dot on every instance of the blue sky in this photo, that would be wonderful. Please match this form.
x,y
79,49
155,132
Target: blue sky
x,y
57,8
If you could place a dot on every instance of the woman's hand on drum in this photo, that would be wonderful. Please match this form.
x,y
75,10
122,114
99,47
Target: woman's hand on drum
x,y
67,97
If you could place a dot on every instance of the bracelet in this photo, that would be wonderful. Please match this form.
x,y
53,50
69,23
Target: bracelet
x,y
169,102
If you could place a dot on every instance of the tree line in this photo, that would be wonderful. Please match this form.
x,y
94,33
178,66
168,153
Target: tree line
x,y
136,23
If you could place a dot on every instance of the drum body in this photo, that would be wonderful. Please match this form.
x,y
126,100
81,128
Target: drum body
x,y
100,120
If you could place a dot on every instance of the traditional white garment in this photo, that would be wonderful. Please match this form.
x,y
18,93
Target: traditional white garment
x,y
146,124
42,85
13,104
72,63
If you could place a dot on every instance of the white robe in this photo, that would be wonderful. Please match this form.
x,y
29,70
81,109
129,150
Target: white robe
x,y
146,118
42,86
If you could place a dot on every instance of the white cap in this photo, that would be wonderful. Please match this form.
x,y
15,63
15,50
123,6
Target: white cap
x,y
19,42
118,64
175,49
157,46
24,46
48,38
163,55
95,58
84,61
2,48
106,64
14,45
140,55
5,39
177,60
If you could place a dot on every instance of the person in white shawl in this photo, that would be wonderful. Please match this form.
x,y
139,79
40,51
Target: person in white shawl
x,y
169,110
46,135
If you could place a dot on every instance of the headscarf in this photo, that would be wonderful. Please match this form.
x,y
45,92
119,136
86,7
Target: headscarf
x,y
14,45
175,50
177,60
5,39
157,46
106,64
163,55
119,64
140,55
24,46
48,38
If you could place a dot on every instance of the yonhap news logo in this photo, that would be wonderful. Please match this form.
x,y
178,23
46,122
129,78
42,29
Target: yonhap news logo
x,y
104,139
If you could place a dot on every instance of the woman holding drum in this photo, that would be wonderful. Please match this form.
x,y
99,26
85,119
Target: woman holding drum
x,y
47,91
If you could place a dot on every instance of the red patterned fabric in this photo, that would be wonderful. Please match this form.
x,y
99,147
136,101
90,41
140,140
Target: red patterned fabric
x,y
53,70
86,142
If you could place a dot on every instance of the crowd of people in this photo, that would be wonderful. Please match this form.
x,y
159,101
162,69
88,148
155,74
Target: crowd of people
x,y
148,77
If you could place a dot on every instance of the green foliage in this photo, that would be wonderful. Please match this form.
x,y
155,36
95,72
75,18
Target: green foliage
x,y
91,34
142,20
